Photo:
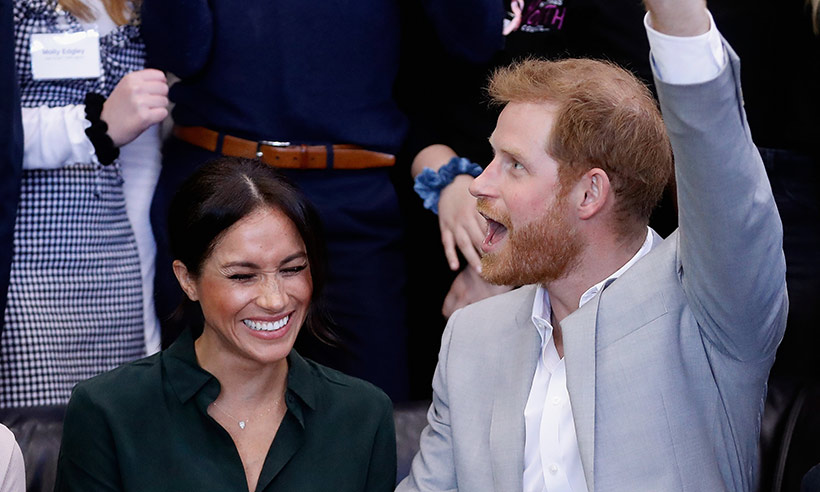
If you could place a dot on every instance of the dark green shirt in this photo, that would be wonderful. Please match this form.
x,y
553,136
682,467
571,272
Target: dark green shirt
x,y
145,427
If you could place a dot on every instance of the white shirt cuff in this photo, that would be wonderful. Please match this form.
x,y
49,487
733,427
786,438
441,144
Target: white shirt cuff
x,y
55,137
686,60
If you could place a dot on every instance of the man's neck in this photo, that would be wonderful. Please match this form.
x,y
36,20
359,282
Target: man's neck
x,y
599,260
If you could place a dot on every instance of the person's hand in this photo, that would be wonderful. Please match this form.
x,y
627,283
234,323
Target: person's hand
x,y
139,100
678,17
467,288
460,223
513,24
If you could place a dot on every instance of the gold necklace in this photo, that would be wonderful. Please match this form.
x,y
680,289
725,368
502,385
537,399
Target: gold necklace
x,y
244,422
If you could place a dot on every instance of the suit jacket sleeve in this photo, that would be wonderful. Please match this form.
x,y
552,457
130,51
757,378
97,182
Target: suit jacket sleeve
x,y
730,243
433,467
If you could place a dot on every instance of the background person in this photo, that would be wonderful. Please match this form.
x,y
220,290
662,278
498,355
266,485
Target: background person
x,y
230,405
77,299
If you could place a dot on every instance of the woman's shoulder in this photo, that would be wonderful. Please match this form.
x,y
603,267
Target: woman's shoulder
x,y
122,384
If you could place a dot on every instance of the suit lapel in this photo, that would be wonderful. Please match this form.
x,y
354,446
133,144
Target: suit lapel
x,y
578,330
517,357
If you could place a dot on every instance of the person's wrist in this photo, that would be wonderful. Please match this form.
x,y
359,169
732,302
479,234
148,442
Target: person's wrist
x,y
429,183
97,133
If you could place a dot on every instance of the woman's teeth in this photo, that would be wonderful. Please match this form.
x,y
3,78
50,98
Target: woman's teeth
x,y
266,325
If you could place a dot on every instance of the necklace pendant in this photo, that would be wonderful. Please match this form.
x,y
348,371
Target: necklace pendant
x,y
242,424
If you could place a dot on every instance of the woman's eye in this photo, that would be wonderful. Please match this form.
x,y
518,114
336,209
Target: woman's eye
x,y
294,269
518,166
239,277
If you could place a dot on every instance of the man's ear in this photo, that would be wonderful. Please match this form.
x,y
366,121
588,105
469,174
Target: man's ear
x,y
594,192
186,280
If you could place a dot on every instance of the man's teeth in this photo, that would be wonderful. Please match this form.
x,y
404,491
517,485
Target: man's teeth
x,y
266,325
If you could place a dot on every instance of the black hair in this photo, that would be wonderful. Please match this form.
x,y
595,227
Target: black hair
x,y
221,193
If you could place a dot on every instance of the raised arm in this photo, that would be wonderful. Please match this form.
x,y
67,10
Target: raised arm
x,y
678,17
732,264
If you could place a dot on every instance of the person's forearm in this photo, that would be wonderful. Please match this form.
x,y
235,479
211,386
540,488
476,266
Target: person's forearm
x,y
678,17
434,157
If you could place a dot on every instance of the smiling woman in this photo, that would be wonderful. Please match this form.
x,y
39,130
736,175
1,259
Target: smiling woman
x,y
234,406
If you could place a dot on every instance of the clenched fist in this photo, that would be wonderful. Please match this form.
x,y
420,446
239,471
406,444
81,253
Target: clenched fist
x,y
138,101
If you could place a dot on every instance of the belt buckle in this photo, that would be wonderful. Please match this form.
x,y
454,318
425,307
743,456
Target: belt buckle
x,y
269,143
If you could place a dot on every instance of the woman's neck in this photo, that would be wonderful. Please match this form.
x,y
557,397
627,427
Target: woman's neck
x,y
244,383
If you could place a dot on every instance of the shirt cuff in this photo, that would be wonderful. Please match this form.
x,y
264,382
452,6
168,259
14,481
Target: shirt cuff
x,y
55,137
686,60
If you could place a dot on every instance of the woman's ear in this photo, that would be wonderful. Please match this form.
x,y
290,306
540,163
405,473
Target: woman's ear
x,y
186,280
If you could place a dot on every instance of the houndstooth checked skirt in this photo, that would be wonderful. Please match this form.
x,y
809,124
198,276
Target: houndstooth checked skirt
x,y
75,295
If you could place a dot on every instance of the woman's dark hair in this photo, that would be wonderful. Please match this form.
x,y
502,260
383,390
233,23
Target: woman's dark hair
x,y
221,193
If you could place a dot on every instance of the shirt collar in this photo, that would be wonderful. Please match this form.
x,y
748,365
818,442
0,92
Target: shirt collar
x,y
182,369
541,305
187,377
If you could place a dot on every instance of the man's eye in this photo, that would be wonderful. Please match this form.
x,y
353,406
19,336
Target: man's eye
x,y
518,166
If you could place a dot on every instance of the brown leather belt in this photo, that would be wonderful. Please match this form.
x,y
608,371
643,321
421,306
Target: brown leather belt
x,y
283,154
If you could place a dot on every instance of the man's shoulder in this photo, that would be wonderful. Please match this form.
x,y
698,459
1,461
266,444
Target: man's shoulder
x,y
502,304
495,313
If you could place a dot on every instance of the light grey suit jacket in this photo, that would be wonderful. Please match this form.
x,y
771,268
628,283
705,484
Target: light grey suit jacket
x,y
666,367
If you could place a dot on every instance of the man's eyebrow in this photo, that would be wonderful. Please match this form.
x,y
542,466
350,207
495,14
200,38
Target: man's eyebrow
x,y
514,153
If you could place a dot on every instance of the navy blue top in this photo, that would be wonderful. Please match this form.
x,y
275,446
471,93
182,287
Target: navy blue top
x,y
308,72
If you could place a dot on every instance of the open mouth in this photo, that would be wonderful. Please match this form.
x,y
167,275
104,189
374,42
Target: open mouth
x,y
496,232
268,326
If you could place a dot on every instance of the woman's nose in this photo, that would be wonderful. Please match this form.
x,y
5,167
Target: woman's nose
x,y
272,295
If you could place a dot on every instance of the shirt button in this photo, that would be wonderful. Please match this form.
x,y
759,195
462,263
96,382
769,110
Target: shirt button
x,y
556,400
553,468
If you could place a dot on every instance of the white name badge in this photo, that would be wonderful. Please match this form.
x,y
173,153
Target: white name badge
x,y
74,55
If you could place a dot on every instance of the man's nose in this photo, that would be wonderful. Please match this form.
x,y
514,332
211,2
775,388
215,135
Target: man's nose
x,y
484,184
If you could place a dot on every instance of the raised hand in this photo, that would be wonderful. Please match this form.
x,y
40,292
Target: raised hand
x,y
460,223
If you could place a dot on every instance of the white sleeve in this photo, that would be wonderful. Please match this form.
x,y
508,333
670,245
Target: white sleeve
x,y
686,60
12,469
55,137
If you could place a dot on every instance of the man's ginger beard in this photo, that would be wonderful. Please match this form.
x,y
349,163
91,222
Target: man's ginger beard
x,y
539,252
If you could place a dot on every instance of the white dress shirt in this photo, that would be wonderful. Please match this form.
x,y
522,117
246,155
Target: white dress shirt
x,y
552,462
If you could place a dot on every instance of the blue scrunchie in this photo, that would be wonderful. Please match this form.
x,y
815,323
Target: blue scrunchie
x,y
429,183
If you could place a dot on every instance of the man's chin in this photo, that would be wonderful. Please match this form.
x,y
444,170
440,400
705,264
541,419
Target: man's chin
x,y
497,269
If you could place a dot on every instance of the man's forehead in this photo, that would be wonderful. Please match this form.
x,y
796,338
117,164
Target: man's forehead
x,y
522,124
